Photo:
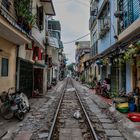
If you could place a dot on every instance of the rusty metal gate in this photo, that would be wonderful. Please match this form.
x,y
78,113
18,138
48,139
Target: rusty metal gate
x,y
25,77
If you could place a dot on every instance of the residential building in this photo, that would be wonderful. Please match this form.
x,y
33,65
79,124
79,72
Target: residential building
x,y
81,56
23,44
32,71
54,50
102,25
118,25
62,67
128,15
12,35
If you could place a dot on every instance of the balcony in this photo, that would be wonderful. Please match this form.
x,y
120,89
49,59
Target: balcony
x,y
101,6
53,42
9,27
130,31
61,45
48,7
91,21
104,29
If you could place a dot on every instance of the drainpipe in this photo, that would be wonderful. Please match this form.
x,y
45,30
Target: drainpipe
x,y
17,68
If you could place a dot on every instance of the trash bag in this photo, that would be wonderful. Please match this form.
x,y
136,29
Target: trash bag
x,y
112,108
77,115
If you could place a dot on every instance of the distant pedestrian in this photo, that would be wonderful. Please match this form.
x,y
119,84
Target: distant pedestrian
x,y
97,86
95,81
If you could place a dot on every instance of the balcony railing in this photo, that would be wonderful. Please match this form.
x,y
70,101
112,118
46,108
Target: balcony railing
x,y
91,21
8,11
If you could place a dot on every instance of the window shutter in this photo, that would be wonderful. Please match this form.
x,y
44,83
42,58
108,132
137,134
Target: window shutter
x,y
40,17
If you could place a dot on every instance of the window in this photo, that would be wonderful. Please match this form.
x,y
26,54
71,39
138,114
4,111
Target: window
x,y
4,67
130,10
40,18
99,70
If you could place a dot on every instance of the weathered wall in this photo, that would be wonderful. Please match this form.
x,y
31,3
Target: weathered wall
x,y
8,51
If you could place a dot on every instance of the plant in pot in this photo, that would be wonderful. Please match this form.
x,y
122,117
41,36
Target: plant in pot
x,y
129,54
31,21
21,10
24,14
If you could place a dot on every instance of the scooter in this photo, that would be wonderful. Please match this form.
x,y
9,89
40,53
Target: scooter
x,y
22,105
15,104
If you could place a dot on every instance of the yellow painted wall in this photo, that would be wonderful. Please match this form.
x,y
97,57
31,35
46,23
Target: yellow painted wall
x,y
8,51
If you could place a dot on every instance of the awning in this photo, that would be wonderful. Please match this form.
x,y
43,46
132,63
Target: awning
x,y
38,65
37,37
48,7
53,42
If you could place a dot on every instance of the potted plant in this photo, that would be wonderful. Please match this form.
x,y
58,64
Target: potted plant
x,y
130,54
31,21
24,15
102,33
107,27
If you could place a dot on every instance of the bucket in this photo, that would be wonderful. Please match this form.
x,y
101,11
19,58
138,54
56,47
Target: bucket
x,y
132,107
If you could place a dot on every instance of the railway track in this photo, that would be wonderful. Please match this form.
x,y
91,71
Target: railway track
x,y
65,126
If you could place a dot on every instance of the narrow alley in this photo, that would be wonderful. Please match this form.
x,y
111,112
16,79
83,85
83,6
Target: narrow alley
x,y
37,125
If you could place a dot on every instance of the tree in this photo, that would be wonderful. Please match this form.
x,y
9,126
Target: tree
x,y
71,67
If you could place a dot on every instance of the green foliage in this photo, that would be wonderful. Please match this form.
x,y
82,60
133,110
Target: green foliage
x,y
71,67
82,78
24,12
91,84
113,94
138,63
130,53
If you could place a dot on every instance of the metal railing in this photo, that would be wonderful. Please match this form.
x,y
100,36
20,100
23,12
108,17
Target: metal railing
x,y
91,21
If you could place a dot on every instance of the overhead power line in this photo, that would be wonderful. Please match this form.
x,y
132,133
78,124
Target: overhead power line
x,y
77,39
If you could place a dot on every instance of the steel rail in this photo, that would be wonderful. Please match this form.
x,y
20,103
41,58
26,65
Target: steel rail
x,y
83,108
57,111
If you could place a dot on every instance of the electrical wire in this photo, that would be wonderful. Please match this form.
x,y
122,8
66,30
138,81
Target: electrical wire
x,y
76,39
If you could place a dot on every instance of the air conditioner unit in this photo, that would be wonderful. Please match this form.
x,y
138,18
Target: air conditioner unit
x,y
118,14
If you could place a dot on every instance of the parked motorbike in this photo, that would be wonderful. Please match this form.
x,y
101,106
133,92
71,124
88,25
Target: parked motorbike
x,y
54,82
14,104
105,90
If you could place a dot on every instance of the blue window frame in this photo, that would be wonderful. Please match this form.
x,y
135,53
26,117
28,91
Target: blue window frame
x,y
131,10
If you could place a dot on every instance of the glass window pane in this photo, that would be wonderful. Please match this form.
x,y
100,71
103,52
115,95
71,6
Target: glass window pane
x,y
4,68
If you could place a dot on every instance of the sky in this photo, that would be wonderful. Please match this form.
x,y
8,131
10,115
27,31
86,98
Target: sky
x,y
74,18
